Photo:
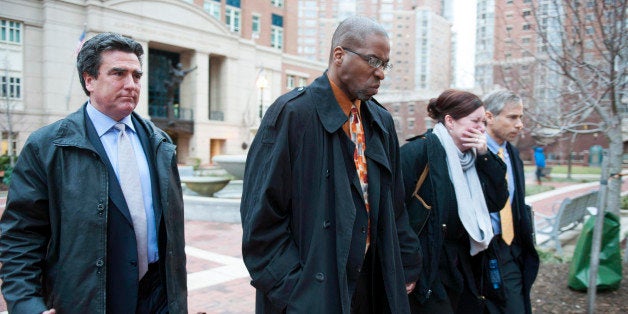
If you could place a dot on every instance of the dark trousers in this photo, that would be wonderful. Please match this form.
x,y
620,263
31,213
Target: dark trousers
x,y
369,295
152,298
512,279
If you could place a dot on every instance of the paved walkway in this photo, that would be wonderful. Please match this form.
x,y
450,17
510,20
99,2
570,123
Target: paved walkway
x,y
219,283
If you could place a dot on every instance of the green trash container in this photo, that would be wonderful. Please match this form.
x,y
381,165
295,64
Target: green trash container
x,y
609,272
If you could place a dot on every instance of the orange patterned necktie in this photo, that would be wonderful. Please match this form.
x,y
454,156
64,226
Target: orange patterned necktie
x,y
357,137
505,215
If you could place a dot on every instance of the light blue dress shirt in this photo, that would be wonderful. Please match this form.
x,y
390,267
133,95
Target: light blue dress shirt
x,y
494,147
108,135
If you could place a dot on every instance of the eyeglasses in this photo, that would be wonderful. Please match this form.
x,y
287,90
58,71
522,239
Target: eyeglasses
x,y
371,60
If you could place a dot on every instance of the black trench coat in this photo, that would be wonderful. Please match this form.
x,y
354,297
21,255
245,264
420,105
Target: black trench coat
x,y
297,209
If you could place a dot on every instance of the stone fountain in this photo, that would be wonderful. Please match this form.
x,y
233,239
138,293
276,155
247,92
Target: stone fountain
x,y
234,165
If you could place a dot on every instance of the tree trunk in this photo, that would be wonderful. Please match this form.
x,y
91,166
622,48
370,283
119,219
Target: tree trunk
x,y
615,156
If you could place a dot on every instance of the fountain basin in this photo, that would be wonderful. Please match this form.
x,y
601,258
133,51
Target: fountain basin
x,y
233,164
205,186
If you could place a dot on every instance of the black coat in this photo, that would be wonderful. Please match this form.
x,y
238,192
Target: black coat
x,y
444,241
523,221
298,210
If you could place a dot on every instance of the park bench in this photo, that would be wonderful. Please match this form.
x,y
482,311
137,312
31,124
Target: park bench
x,y
567,215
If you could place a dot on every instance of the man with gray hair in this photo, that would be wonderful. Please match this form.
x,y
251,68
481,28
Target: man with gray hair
x,y
513,245
325,228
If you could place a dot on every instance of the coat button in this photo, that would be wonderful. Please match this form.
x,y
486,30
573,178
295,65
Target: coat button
x,y
320,277
363,230
99,263
327,173
326,224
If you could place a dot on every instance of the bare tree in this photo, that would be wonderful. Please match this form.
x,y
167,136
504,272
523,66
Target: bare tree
x,y
579,86
575,74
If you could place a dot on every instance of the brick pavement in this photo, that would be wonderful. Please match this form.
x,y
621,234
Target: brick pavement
x,y
218,282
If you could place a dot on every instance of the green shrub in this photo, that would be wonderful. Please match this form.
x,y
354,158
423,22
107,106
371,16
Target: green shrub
x,y
532,189
195,162
5,165
549,256
624,202
8,170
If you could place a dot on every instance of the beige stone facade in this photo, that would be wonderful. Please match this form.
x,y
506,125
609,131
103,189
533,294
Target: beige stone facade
x,y
223,91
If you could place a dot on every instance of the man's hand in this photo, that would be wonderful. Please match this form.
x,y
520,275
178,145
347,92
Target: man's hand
x,y
410,287
53,311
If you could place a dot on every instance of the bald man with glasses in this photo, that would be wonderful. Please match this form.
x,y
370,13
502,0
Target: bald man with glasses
x,y
325,228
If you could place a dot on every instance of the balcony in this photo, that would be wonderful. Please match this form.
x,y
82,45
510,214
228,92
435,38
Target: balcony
x,y
177,120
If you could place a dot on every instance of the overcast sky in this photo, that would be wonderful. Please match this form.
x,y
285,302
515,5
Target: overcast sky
x,y
464,26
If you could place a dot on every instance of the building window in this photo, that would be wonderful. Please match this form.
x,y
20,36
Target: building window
x,y
290,82
276,32
232,18
276,37
212,7
277,3
410,123
10,87
526,13
256,24
526,27
10,31
410,108
302,81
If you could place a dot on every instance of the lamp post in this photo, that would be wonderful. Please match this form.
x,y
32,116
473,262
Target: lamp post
x,y
261,84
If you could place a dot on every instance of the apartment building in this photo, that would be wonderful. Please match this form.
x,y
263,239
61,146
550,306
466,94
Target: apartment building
x,y
516,41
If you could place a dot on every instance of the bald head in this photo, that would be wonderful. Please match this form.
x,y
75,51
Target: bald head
x,y
353,32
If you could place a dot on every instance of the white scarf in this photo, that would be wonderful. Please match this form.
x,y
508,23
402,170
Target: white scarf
x,y
469,195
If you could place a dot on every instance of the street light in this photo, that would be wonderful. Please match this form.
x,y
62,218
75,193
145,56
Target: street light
x,y
262,82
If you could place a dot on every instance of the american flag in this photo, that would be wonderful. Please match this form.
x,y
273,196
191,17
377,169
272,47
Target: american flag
x,y
79,45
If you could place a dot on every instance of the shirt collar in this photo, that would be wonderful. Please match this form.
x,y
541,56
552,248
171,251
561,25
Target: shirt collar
x,y
342,99
493,146
102,122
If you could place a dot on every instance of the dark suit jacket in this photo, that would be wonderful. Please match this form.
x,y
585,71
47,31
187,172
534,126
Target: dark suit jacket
x,y
67,241
523,224
122,280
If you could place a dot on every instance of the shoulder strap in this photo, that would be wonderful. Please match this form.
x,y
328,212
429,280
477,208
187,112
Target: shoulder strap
x,y
419,183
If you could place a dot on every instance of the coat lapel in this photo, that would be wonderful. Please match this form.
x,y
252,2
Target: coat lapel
x,y
150,156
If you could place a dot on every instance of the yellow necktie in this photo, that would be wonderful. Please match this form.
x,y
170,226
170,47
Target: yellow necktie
x,y
505,215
